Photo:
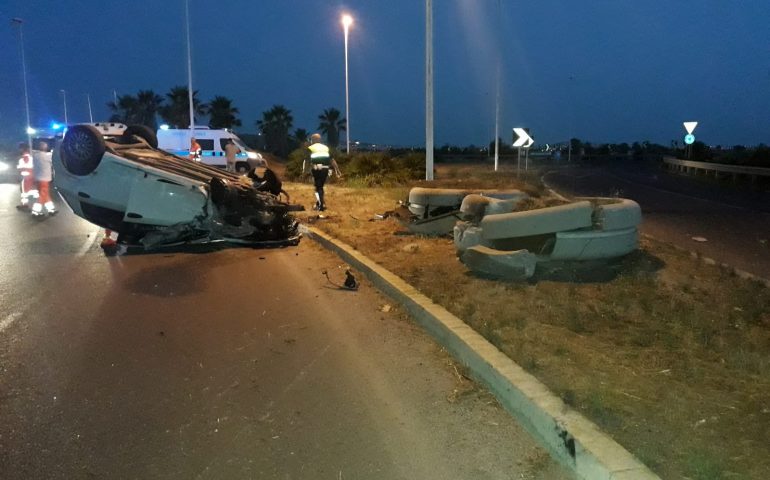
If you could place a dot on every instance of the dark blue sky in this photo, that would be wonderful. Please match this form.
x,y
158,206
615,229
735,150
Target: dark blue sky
x,y
601,70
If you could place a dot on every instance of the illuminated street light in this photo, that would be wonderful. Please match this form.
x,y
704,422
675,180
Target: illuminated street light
x,y
30,130
347,20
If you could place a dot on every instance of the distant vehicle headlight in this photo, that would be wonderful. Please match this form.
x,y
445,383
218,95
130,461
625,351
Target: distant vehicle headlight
x,y
4,167
251,155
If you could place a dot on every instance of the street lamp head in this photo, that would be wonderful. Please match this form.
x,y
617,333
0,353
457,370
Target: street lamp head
x,y
347,20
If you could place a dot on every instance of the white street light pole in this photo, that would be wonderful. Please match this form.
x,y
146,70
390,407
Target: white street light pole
x,y
347,20
189,68
19,22
90,113
428,90
571,120
497,80
497,119
64,100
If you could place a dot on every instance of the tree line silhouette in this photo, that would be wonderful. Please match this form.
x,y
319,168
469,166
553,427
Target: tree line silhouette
x,y
274,128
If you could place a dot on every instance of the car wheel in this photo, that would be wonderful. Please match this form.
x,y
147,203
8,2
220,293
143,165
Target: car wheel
x,y
144,132
242,167
82,149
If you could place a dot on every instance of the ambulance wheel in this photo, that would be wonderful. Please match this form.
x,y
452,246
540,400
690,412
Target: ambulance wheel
x,y
242,167
144,132
82,149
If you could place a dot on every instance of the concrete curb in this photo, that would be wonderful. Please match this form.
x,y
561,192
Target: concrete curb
x,y
571,438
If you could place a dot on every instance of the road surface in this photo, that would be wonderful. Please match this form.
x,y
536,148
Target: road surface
x,y
225,363
731,226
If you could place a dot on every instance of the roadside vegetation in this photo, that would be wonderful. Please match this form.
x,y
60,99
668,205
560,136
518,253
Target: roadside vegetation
x,y
669,355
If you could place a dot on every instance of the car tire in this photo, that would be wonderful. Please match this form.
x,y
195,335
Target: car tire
x,y
241,167
82,149
144,132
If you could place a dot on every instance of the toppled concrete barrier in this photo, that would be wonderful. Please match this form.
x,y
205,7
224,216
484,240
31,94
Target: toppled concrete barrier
x,y
424,201
475,206
616,214
529,223
511,265
438,225
593,244
435,210
467,235
589,229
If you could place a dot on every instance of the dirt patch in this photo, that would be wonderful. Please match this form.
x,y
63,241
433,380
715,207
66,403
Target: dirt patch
x,y
669,355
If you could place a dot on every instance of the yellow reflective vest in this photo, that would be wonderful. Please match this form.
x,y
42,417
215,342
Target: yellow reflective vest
x,y
319,155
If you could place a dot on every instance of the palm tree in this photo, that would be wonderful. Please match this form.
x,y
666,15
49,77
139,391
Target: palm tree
x,y
125,110
222,114
298,139
177,112
147,105
275,126
331,124
300,135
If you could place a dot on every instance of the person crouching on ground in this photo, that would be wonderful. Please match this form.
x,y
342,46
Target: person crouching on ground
x,y
320,163
195,150
43,166
265,180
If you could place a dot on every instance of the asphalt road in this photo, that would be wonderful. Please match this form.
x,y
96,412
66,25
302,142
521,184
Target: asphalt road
x,y
225,363
729,225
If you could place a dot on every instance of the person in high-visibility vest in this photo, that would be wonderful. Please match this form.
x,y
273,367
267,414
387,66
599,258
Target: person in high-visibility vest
x,y
320,163
195,150
27,184
43,167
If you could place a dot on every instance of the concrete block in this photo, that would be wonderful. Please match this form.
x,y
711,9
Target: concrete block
x,y
514,265
572,216
594,244
619,215
475,206
467,235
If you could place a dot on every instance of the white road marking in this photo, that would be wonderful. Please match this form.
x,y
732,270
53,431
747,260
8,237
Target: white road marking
x,y
8,320
90,241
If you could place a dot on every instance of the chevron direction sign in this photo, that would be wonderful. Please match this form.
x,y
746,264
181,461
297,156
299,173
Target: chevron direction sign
x,y
522,138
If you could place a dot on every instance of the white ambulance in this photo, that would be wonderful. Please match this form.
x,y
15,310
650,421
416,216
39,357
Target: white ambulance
x,y
212,142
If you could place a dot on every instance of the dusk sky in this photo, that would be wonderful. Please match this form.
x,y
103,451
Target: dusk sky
x,y
599,70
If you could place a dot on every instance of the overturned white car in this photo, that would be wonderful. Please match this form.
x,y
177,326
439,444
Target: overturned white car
x,y
115,177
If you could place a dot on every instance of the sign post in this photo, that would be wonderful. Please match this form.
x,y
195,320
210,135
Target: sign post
x,y
521,139
689,139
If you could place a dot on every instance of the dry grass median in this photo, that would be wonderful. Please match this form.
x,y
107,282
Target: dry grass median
x,y
667,354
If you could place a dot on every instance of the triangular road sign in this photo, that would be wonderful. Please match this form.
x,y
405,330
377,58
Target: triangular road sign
x,y
690,127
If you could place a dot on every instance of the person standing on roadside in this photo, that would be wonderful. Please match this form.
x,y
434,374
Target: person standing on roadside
x,y
43,167
195,150
320,163
25,168
231,151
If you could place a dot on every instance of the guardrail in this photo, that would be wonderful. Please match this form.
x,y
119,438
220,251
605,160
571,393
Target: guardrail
x,y
687,165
